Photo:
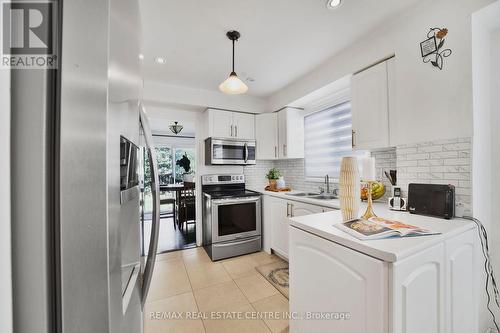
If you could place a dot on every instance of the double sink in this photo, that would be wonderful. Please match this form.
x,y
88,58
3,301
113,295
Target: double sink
x,y
319,196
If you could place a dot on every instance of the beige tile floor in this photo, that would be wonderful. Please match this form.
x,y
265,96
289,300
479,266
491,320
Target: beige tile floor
x,y
190,293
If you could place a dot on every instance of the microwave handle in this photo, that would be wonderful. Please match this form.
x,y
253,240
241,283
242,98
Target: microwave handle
x,y
246,152
155,191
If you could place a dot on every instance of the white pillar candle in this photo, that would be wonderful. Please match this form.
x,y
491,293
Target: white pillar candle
x,y
368,169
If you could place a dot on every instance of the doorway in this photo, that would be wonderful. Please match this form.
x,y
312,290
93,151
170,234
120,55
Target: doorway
x,y
176,158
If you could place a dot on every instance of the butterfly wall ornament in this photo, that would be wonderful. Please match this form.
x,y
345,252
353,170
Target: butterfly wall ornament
x,y
432,48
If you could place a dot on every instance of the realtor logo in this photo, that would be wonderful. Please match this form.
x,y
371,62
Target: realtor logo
x,y
28,34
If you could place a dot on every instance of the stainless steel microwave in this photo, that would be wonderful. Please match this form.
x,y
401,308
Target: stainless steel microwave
x,y
219,151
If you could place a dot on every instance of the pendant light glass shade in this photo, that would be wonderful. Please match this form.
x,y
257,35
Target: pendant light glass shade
x,y
176,128
233,85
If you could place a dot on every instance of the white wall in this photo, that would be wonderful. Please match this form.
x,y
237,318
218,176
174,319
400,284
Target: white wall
x,y
437,103
163,93
486,145
5,241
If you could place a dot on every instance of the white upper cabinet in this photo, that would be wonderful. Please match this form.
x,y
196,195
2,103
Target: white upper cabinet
x,y
266,132
290,133
280,135
220,124
244,125
371,100
228,124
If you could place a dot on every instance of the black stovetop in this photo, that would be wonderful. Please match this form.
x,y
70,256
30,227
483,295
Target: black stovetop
x,y
232,194
223,191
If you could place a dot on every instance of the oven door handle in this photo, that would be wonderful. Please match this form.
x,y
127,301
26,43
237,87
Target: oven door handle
x,y
234,201
235,243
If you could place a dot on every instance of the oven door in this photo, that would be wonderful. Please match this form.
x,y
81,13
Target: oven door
x,y
235,218
231,152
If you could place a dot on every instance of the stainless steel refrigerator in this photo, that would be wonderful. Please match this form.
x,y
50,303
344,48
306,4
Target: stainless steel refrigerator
x,y
77,263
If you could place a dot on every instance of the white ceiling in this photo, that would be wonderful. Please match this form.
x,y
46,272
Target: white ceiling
x,y
281,40
161,126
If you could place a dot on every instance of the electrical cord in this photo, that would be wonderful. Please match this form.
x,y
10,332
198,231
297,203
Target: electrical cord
x,y
488,268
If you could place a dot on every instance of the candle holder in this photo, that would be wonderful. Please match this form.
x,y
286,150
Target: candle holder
x,y
369,210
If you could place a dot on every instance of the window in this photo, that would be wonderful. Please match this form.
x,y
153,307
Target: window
x,y
179,171
328,138
164,160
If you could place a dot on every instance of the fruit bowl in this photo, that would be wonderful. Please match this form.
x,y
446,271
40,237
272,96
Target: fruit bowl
x,y
378,191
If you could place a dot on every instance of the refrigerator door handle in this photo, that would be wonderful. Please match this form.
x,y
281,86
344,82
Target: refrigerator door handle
x,y
155,191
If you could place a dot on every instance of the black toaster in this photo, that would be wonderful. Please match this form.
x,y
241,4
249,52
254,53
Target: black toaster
x,y
432,199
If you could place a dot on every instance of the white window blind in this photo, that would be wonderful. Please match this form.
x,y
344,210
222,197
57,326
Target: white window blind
x,y
328,138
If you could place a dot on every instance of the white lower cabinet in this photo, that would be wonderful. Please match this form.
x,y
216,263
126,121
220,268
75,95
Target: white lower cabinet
x,y
301,209
432,291
280,211
276,212
461,278
418,292
329,279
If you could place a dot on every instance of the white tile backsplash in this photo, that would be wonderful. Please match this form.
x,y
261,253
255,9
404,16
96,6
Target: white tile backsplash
x,y
385,160
255,175
292,171
434,162
444,162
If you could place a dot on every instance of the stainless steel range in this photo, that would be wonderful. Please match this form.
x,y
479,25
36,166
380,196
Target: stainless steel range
x,y
231,216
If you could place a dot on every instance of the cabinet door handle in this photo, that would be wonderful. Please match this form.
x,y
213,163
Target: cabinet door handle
x,y
353,141
275,151
236,130
287,209
231,130
291,210
284,150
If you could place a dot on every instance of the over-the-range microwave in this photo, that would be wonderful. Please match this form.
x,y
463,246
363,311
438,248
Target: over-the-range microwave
x,y
222,151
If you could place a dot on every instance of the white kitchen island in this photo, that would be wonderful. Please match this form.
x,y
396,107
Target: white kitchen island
x,y
412,285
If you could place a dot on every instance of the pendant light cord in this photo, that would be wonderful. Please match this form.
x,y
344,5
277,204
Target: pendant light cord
x,y
233,55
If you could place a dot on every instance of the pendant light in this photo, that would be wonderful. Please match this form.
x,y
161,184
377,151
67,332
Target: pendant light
x,y
176,128
233,85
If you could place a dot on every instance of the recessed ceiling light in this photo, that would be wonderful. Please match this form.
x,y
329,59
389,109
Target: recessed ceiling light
x,y
332,4
160,60
141,56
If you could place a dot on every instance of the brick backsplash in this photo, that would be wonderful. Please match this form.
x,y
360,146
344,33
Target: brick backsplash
x,y
255,175
385,160
292,171
435,162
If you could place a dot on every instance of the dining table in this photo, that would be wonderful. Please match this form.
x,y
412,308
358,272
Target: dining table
x,y
177,188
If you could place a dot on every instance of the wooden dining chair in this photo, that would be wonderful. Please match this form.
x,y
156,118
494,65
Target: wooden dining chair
x,y
187,206
168,200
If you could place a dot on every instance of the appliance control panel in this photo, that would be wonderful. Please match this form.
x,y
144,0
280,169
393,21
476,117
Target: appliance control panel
x,y
222,179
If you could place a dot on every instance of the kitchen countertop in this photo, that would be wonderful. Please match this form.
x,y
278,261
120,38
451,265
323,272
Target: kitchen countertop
x,y
333,203
389,250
